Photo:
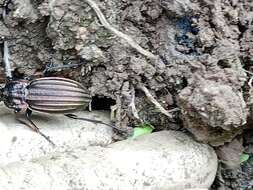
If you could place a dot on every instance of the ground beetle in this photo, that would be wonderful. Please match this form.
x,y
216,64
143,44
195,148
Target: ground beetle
x,y
46,94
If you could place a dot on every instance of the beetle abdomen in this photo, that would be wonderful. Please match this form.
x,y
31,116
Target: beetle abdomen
x,y
56,95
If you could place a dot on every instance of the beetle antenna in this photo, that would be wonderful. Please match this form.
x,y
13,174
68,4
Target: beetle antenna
x,y
73,116
6,56
6,60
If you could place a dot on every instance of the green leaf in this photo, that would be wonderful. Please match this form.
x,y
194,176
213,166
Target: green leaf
x,y
142,129
244,157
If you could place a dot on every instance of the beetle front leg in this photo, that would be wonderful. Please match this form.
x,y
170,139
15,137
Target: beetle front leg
x,y
25,118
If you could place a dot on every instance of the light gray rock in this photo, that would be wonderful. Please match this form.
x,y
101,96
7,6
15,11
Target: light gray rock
x,y
164,160
91,52
19,143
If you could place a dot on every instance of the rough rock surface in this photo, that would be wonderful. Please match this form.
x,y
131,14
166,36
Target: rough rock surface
x,y
195,39
209,105
162,160
229,154
20,143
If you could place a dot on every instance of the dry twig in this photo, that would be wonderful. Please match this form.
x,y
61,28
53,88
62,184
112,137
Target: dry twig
x,y
246,71
133,107
118,111
250,82
251,78
154,101
127,38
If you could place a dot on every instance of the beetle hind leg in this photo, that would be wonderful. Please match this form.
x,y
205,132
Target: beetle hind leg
x,y
26,119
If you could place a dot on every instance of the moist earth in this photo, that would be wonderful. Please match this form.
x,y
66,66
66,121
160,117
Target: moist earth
x,y
203,74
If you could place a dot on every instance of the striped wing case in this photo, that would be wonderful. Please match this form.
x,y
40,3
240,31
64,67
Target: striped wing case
x,y
56,95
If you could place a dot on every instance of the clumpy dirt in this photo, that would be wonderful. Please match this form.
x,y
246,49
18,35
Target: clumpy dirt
x,y
205,49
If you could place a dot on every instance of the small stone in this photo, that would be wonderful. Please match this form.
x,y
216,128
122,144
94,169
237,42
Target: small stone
x,y
91,52
229,153
82,33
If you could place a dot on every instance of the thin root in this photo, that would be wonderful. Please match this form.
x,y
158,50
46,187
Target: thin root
x,y
154,101
127,38
246,71
251,78
250,82
133,107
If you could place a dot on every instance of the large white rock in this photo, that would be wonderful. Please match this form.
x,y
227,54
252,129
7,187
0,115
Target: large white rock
x,y
20,143
164,160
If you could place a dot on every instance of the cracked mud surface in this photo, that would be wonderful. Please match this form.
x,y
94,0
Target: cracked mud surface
x,y
205,49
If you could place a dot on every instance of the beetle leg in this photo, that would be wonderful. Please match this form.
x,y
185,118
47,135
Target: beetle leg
x,y
28,122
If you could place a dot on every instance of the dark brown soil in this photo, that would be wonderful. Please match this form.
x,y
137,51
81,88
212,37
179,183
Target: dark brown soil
x,y
206,57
